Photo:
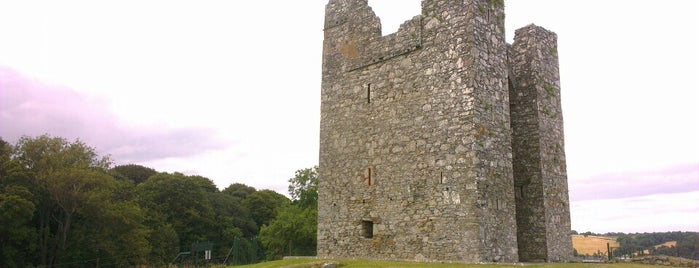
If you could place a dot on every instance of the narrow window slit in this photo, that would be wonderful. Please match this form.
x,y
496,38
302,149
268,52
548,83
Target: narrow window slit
x,y
368,93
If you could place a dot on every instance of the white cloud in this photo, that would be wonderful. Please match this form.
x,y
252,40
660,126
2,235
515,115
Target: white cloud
x,y
676,179
651,213
33,108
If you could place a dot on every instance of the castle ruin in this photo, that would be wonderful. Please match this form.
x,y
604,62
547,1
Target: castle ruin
x,y
441,142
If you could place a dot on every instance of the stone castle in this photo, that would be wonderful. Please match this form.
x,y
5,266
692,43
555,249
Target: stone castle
x,y
441,142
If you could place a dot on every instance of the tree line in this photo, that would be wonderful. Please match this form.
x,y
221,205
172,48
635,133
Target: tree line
x,y
63,205
645,244
639,244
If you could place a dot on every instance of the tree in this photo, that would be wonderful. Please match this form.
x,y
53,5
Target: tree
x,y
235,194
182,201
81,212
16,233
644,243
303,187
239,190
264,205
113,228
135,173
293,231
73,189
230,213
59,171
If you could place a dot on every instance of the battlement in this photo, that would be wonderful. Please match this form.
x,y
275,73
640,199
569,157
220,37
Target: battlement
x,y
417,141
356,27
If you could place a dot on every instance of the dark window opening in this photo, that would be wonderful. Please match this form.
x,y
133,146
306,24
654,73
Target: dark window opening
x,y
368,93
368,229
441,177
369,177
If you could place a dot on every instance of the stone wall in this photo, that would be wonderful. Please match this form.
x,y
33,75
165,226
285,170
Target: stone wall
x,y
415,140
541,184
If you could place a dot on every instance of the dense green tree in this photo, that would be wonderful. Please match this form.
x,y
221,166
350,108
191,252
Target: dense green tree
x,y
239,190
11,171
234,196
230,213
58,170
164,241
62,205
74,190
113,227
16,233
135,173
644,243
293,231
264,205
303,187
182,201
688,245
82,214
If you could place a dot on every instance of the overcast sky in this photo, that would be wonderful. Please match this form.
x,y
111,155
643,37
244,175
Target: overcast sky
x,y
230,90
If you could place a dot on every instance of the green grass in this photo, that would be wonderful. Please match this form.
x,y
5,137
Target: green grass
x,y
308,263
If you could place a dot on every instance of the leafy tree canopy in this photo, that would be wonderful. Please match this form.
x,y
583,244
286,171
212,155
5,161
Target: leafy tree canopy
x,y
293,231
62,205
135,173
264,205
303,187
183,201
239,190
71,197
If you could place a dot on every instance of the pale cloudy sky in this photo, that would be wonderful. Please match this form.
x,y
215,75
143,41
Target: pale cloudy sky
x,y
231,90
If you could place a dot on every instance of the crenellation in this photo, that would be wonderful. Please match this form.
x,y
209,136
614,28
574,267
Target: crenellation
x,y
420,143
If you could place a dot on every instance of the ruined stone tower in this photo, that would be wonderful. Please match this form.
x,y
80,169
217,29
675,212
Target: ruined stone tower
x,y
437,146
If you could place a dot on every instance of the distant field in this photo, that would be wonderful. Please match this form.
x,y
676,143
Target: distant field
x,y
589,245
668,244
308,263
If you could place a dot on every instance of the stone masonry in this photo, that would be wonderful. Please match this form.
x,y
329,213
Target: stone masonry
x,y
440,142
541,184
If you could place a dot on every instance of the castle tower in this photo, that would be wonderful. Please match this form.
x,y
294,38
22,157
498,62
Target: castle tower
x,y
541,184
416,157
